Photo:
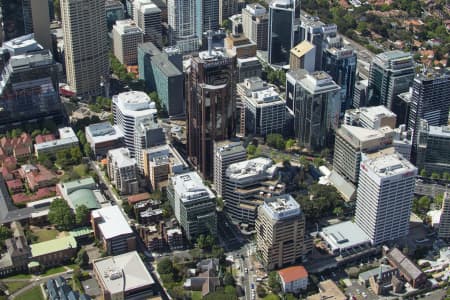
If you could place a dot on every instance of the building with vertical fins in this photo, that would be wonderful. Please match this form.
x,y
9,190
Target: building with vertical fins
x,y
211,104
391,73
316,109
281,31
430,101
385,195
148,17
444,222
182,27
85,45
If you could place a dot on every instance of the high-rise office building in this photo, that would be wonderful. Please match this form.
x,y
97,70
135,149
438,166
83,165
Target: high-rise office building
x,y
430,101
135,116
339,61
182,27
303,57
115,10
210,106
126,38
350,144
280,231
148,17
316,108
248,67
227,8
384,196
281,31
372,117
193,204
85,45
209,14
360,93
245,186
265,110
391,73
29,86
293,87
162,71
22,17
432,151
225,154
255,24
444,222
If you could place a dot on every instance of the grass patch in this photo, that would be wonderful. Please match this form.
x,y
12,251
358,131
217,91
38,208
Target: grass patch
x,y
32,294
44,234
73,266
81,170
53,271
19,276
196,295
14,286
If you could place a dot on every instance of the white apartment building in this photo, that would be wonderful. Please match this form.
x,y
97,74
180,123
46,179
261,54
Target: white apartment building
x,y
136,117
122,171
385,195
126,38
373,117
225,154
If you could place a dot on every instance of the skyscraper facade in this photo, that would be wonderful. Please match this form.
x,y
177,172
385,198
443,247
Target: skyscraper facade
x,y
255,24
340,62
280,230
29,90
85,45
210,106
126,38
391,73
385,195
281,31
317,109
209,14
148,17
182,26
430,101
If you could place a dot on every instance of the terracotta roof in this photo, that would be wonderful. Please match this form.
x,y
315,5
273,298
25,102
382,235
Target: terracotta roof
x,y
42,138
293,273
138,198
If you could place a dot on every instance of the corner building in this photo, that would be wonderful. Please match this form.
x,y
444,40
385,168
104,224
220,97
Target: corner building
x,y
210,106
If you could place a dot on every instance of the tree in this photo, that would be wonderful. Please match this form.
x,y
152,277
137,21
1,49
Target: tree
x,y
251,149
5,233
82,258
338,211
304,162
60,214
290,143
435,175
82,214
260,291
276,140
446,175
165,266
227,25
228,279
325,153
274,282
424,203
423,173
230,290
128,209
290,297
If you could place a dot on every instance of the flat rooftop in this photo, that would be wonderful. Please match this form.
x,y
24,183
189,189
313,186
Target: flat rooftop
x,y
122,158
127,27
103,132
344,235
122,273
376,112
111,222
440,131
54,245
189,186
281,207
249,168
387,163
302,48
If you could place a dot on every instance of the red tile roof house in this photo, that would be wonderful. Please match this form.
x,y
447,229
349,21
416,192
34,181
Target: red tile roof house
x,y
15,186
10,163
293,279
20,147
37,176
42,138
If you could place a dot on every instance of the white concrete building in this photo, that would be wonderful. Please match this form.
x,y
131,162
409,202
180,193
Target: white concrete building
x,y
384,196
122,171
373,117
193,204
293,279
126,38
136,117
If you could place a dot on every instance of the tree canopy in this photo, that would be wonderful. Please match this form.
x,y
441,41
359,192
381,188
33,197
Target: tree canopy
x,y
60,214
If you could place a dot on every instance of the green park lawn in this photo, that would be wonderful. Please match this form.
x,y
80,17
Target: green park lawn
x,y
53,271
44,234
19,276
14,286
32,294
